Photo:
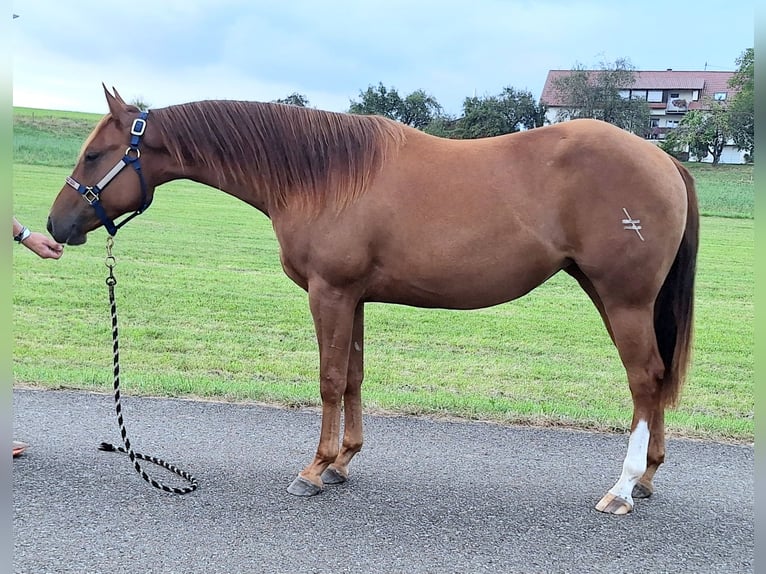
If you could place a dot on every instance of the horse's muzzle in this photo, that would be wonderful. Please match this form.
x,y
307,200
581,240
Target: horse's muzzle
x,y
70,236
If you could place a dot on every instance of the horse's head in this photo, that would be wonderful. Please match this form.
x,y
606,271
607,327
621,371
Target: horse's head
x,y
109,178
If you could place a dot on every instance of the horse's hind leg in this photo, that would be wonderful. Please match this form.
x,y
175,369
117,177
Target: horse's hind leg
x,y
590,289
656,453
337,472
644,488
634,336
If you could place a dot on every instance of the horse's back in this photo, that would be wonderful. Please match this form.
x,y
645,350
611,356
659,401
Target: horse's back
x,y
558,184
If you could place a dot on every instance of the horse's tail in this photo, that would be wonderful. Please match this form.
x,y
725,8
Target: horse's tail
x,y
674,308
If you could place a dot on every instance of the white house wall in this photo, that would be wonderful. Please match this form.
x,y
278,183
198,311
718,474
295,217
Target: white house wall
x,y
730,154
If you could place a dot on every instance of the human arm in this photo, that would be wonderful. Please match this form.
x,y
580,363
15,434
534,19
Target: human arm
x,y
37,242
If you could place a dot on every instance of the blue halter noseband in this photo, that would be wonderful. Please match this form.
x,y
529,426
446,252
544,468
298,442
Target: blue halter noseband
x,y
92,194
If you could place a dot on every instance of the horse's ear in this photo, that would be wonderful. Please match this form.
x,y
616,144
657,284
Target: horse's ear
x,y
117,107
118,96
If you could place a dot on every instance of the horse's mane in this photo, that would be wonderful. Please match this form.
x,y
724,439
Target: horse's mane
x,y
281,150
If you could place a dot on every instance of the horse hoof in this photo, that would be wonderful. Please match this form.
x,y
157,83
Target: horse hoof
x,y
613,504
303,487
334,475
642,490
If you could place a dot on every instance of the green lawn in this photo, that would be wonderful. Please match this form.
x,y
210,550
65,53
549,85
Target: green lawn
x,y
47,137
724,190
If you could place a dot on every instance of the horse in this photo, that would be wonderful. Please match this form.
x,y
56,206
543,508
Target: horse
x,y
366,209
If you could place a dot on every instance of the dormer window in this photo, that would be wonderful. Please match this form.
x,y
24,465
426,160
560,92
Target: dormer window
x,y
719,96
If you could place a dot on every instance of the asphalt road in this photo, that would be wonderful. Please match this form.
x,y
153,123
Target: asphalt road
x,y
425,496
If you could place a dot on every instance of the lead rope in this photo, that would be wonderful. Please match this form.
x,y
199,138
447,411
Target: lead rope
x,y
111,281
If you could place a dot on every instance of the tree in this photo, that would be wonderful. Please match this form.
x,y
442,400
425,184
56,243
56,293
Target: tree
x,y
444,125
741,110
704,132
294,99
418,109
744,77
599,94
510,111
140,103
482,117
377,101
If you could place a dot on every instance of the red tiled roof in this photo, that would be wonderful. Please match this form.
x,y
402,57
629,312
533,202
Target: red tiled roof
x,y
708,82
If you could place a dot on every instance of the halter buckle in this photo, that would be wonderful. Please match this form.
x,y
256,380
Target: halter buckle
x,y
89,195
138,128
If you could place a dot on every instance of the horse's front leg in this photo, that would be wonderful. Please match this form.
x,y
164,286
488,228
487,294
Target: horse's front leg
x,y
353,437
333,313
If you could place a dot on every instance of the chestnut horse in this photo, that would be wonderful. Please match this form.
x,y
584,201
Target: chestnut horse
x,y
367,209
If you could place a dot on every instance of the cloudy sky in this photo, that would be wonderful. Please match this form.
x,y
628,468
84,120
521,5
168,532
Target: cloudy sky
x,y
172,51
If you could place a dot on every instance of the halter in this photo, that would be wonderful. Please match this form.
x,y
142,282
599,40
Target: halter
x,y
91,194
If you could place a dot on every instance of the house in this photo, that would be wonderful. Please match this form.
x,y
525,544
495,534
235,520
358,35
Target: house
x,y
670,95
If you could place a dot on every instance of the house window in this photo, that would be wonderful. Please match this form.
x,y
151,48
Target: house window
x,y
672,123
675,95
719,96
625,94
654,96
638,94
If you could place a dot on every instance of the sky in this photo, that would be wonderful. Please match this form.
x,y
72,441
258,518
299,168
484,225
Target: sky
x,y
166,52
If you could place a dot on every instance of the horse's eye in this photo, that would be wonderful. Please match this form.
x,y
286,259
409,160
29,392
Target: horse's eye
x,y
92,156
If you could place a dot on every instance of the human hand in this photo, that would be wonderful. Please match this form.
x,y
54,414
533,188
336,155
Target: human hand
x,y
43,245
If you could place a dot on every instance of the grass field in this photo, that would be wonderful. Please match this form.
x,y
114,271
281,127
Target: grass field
x,y
47,137
724,190
211,314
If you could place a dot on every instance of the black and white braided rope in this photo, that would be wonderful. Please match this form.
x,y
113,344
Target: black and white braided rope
x,y
127,449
